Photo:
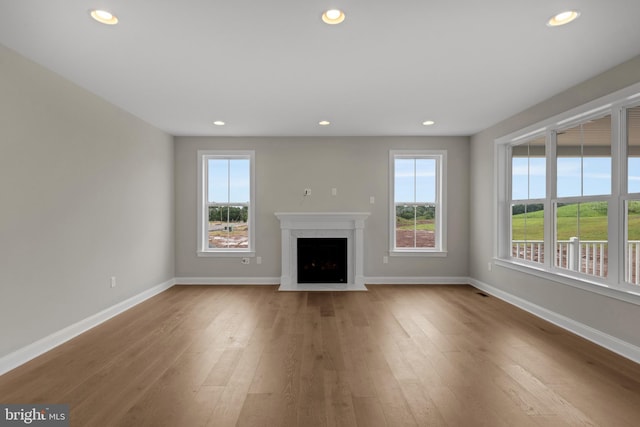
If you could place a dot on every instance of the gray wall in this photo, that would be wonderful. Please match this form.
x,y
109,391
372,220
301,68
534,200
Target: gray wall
x,y
609,315
86,193
356,166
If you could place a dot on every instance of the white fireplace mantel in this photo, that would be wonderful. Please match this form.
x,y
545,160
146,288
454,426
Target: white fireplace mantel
x,y
349,225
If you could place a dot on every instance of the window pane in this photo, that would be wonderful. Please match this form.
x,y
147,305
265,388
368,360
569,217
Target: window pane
x,y
597,176
581,237
537,177
218,182
519,178
569,176
527,231
425,180
228,227
239,189
632,264
584,159
404,188
633,149
415,226
528,170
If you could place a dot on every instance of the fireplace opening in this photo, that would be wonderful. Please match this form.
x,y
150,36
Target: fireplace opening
x,y
322,260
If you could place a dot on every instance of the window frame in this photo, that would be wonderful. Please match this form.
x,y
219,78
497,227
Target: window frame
x,y
614,285
440,249
203,156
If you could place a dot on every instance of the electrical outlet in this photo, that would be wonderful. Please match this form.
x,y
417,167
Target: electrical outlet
x,y
385,259
258,260
246,261
489,266
334,191
113,281
372,200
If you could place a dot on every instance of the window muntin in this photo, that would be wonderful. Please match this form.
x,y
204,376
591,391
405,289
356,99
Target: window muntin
x,y
226,203
417,208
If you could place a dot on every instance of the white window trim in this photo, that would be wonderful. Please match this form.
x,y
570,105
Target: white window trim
x,y
202,208
441,216
614,285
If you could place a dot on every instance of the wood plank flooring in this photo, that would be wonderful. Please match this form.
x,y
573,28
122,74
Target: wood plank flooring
x,y
393,356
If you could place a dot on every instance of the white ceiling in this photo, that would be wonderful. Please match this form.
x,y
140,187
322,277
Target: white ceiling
x,y
274,68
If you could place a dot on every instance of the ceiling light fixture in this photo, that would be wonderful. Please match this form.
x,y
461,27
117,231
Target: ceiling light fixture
x,y
333,16
104,17
324,123
562,18
219,123
428,123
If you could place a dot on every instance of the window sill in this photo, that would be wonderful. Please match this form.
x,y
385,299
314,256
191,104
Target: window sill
x,y
410,253
227,254
626,293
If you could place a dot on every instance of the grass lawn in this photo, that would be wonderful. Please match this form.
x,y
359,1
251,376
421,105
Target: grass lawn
x,y
422,224
593,223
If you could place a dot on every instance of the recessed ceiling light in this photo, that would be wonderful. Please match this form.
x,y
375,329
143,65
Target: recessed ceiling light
x,y
562,18
428,123
104,17
324,123
218,123
333,16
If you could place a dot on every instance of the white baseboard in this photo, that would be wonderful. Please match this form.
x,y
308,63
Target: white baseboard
x,y
600,338
185,281
427,280
31,351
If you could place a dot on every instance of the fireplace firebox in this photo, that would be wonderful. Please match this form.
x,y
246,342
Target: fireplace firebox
x,y
322,260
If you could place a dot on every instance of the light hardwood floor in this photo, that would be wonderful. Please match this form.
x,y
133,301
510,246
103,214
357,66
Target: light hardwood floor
x,y
393,356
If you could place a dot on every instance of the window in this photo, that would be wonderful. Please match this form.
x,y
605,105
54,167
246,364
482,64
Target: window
x,y
417,208
528,189
568,196
225,203
632,198
583,188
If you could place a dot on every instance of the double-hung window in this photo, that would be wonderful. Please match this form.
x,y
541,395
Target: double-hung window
x,y
568,196
528,189
632,197
417,202
226,203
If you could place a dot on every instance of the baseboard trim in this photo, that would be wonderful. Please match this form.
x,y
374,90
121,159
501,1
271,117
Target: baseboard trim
x,y
422,280
187,281
616,345
33,350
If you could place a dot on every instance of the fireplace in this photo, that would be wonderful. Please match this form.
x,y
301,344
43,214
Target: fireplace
x,y
324,228
322,260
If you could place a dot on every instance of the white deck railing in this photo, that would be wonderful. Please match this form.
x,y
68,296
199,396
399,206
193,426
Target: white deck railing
x,y
585,256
